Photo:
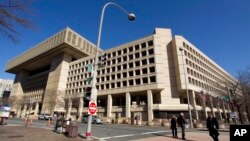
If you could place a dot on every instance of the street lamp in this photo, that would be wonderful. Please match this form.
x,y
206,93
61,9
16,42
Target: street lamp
x,y
30,104
189,110
93,96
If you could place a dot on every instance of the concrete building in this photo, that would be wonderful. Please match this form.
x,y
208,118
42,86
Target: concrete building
x,y
148,77
5,85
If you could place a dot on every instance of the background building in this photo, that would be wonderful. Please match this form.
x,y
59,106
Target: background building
x,y
148,77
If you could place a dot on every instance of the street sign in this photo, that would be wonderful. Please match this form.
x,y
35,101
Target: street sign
x,y
234,115
90,67
92,108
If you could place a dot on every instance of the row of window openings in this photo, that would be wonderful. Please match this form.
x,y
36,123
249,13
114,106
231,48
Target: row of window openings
x,y
131,49
117,76
201,70
133,82
125,50
118,68
201,62
202,85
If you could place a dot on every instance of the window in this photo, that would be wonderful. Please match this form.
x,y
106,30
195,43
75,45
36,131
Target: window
x,y
114,54
144,71
118,84
113,77
131,65
151,60
113,61
152,79
118,67
118,76
137,63
124,74
119,52
107,86
145,80
130,49
131,56
150,43
151,51
137,55
108,70
131,82
143,53
119,60
124,58
131,73
125,50
124,66
143,45
107,78
113,69
124,83
144,62
102,79
112,85
137,72
138,81
137,47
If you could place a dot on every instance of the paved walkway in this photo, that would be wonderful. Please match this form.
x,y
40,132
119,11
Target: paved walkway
x,y
190,136
21,133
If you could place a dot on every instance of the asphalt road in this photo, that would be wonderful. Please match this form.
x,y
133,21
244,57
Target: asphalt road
x,y
114,132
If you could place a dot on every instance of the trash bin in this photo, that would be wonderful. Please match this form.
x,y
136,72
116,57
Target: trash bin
x,y
73,129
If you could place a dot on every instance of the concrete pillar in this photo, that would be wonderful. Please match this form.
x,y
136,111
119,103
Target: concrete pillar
x,y
218,108
24,111
224,110
204,108
193,103
211,106
109,106
128,105
18,112
36,109
80,108
69,109
150,105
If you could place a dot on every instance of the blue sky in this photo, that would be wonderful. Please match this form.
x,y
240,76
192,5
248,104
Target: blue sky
x,y
218,28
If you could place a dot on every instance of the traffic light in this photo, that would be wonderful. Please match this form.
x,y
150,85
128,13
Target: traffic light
x,y
102,60
87,93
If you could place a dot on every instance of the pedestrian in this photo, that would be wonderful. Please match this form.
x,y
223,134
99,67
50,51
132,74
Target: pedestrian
x,y
173,126
182,123
212,125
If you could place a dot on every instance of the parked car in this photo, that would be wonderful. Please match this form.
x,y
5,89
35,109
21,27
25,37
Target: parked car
x,y
95,119
45,117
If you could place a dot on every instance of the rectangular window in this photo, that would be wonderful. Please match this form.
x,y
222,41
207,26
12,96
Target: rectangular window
x,y
118,76
107,78
113,77
118,84
124,58
144,71
112,85
143,45
137,72
137,55
131,82
130,49
131,73
131,57
124,66
124,74
131,65
137,47
137,63
107,86
118,67
113,69
150,43
151,60
114,54
124,50
144,62
119,52
138,81
145,80
143,53
124,83
152,79
151,51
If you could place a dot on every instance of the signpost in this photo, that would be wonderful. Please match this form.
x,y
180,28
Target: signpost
x,y
92,108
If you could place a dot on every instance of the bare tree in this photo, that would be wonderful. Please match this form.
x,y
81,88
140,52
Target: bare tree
x,y
244,83
12,14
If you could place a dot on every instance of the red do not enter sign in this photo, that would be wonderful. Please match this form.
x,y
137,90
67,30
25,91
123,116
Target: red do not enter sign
x,y
92,108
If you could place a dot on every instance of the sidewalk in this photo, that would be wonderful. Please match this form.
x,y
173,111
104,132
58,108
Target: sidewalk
x,y
21,133
190,136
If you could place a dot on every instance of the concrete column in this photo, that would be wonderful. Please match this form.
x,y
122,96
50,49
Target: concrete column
x,y
224,110
204,107
193,103
150,105
24,111
218,108
69,108
128,105
18,112
109,106
212,106
80,108
36,109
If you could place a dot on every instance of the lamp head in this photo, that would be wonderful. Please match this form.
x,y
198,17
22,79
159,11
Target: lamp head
x,y
131,17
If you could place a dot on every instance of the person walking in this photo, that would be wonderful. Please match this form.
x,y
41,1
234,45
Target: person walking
x,y
212,125
173,126
182,122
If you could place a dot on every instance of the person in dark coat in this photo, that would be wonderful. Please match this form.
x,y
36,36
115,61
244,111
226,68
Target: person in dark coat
x,y
173,126
212,125
181,122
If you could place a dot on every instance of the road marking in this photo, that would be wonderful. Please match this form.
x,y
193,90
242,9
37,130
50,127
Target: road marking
x,y
129,135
